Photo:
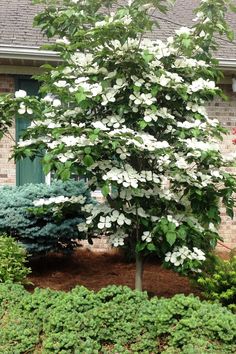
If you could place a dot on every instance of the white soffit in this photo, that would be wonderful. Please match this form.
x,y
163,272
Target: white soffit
x,y
27,53
227,64
35,53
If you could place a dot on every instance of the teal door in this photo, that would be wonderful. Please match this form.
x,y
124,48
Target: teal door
x,y
27,171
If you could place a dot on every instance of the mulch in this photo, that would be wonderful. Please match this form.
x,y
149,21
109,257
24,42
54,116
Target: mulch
x,y
96,270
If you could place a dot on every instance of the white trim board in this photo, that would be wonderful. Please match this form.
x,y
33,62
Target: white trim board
x,y
27,53
35,53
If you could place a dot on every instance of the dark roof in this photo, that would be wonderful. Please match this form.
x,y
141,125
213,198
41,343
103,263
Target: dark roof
x,y
16,17
182,15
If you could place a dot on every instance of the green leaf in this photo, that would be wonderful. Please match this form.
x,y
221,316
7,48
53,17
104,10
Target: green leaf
x,y
47,168
69,13
88,160
198,192
147,56
154,91
144,222
230,212
80,96
28,152
171,237
164,225
151,247
65,174
93,137
232,7
142,124
136,89
47,158
105,189
115,144
171,226
87,150
186,42
230,35
182,233
140,247
213,212
153,108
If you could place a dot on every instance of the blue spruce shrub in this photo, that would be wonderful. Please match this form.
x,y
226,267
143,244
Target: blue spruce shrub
x,y
46,228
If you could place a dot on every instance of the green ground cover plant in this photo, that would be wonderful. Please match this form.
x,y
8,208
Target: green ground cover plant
x,y
44,218
218,283
12,260
114,320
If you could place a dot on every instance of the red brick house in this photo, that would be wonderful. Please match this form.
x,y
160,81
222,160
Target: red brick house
x,y
20,58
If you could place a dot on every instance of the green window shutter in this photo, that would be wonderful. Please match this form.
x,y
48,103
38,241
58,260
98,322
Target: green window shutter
x,y
27,171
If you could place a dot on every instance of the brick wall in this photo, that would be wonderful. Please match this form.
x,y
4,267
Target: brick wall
x,y
224,111
7,167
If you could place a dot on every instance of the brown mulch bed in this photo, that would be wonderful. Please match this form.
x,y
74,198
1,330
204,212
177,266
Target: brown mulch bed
x,y
97,270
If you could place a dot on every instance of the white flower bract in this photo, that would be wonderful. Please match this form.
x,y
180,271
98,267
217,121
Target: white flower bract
x,y
20,94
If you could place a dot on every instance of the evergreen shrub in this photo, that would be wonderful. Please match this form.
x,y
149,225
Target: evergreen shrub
x,y
219,282
48,227
12,260
113,320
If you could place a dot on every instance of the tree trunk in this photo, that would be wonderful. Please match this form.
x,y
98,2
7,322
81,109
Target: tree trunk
x,y
139,272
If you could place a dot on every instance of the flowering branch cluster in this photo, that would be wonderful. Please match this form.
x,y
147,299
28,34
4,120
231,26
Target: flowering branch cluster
x,y
180,254
128,113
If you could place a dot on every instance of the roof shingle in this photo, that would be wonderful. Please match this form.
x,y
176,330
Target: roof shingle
x,y
16,18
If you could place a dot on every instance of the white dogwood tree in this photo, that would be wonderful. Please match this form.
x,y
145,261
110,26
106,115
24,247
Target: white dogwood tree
x,y
128,113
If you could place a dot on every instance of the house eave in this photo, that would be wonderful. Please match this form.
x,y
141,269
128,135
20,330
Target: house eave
x,y
227,64
37,54
27,53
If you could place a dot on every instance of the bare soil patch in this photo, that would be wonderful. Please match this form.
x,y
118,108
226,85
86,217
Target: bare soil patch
x,y
97,270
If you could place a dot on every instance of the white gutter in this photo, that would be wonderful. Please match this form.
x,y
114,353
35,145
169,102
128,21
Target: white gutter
x,y
227,63
27,53
35,53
